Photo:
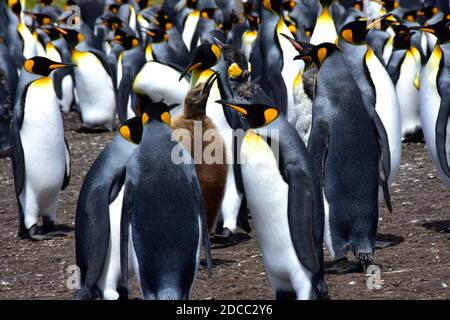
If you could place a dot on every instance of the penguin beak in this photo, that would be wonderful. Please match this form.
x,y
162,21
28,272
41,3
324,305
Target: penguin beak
x,y
424,29
190,68
239,109
218,43
374,23
61,65
62,31
296,45
209,83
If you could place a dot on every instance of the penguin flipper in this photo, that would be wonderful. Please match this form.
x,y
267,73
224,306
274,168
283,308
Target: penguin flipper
x,y
58,76
127,209
68,167
441,133
125,88
384,158
205,234
300,217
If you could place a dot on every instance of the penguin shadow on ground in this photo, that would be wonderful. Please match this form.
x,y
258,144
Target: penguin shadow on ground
x,y
91,131
217,262
441,226
62,230
234,240
343,266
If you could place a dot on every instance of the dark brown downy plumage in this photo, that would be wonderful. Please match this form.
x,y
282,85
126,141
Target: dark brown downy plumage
x,y
212,174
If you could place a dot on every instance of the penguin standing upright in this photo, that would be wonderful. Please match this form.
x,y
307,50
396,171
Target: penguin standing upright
x,y
94,81
346,153
5,115
163,219
212,169
403,68
41,161
97,219
284,198
435,99
377,90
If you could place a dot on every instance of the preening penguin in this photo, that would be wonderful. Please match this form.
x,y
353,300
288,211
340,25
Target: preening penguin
x,y
345,148
283,196
163,218
435,100
41,161
212,170
97,219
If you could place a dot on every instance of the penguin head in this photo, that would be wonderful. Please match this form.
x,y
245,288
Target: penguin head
x,y
132,129
358,5
273,6
310,53
204,57
196,98
112,22
402,39
143,4
157,35
73,37
154,111
69,3
390,5
127,41
288,5
44,3
15,6
253,21
51,32
191,4
355,32
40,18
424,14
256,115
163,21
441,30
114,8
43,66
325,3
410,16
249,6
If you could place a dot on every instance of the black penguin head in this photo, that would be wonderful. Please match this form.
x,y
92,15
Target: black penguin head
x,y
196,98
44,3
355,32
73,37
69,3
390,4
257,115
204,57
236,63
112,22
288,5
40,18
127,41
423,14
253,21
114,8
310,53
144,3
132,130
163,21
358,5
402,39
154,111
51,32
43,66
273,6
157,35
441,30
249,6
410,16
15,6
191,4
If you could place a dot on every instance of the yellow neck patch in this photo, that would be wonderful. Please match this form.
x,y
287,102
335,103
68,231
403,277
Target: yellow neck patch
x,y
216,50
270,114
43,82
149,53
145,118
234,71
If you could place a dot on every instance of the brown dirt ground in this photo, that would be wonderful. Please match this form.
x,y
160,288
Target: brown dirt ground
x,y
416,268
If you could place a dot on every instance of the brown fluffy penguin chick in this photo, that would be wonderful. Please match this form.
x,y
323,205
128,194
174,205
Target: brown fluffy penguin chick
x,y
212,171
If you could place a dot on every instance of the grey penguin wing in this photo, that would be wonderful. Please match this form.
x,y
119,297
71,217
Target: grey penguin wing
x,y
205,234
68,167
442,123
127,209
300,217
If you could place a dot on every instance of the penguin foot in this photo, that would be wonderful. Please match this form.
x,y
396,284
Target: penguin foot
x,y
224,237
34,235
364,259
342,266
48,229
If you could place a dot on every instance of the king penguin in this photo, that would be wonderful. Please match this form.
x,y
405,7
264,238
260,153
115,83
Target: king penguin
x,y
94,81
192,127
97,219
435,100
345,148
324,30
377,90
40,154
284,198
163,216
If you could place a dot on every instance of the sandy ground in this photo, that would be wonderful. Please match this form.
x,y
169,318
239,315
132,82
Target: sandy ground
x,y
417,267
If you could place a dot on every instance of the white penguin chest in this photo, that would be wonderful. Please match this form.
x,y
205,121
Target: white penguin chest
x,y
267,199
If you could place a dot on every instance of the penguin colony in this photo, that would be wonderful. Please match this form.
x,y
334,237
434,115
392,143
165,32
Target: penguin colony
x,y
323,94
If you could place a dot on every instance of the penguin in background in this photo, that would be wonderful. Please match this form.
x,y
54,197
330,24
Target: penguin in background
x,y
95,83
163,222
46,7
159,79
377,90
284,198
90,10
97,219
403,68
5,115
345,148
131,60
435,99
39,173
187,20
7,65
205,24
249,36
212,171
324,29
